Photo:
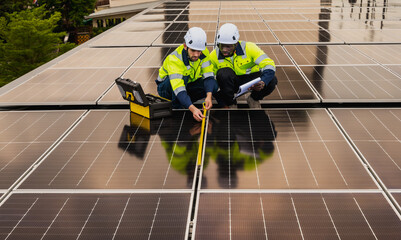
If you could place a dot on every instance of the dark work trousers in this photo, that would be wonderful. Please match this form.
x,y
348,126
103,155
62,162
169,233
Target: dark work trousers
x,y
195,91
229,84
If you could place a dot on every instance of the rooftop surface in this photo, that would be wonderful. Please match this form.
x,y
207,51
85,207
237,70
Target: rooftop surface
x,y
320,160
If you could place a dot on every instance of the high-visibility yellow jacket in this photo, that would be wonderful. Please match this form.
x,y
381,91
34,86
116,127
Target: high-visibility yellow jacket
x,y
247,58
180,71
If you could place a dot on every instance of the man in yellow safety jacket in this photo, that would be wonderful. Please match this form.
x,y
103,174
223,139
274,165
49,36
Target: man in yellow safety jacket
x,y
237,62
187,74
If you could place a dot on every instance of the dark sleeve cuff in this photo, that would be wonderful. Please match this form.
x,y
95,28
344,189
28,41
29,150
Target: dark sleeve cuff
x,y
267,76
210,85
184,99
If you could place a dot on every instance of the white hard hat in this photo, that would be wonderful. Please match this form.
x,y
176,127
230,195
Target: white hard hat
x,y
195,39
228,34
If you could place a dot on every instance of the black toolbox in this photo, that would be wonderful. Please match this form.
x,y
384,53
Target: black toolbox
x,y
147,105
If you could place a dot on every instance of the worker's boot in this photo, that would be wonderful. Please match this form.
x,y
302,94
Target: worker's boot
x,y
252,103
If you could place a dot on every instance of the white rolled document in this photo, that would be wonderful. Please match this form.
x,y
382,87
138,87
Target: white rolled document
x,y
244,87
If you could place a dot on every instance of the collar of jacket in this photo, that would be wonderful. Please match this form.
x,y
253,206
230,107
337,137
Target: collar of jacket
x,y
238,50
185,57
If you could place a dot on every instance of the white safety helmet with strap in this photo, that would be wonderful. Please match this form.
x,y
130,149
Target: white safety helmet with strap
x,y
195,39
228,34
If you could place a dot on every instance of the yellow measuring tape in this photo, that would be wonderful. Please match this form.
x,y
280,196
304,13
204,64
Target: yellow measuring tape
x,y
201,136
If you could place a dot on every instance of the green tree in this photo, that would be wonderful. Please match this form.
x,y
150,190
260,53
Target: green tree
x,y
72,11
9,6
28,41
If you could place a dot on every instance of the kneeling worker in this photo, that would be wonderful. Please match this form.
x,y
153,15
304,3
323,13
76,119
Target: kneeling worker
x,y
187,74
238,62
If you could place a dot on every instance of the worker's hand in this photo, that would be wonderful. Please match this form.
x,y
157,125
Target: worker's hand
x,y
258,86
208,101
196,113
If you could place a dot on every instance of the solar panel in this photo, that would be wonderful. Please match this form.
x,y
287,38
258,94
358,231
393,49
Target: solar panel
x,y
354,83
155,18
291,87
367,36
274,10
245,10
295,216
248,26
63,86
239,18
202,5
101,57
113,150
279,149
126,39
184,26
164,11
397,197
327,54
96,216
154,56
277,54
310,10
295,173
340,24
323,16
145,76
290,26
389,24
197,18
26,137
384,54
235,5
177,38
131,26
395,69
318,36
201,11
258,37
282,17
376,133
175,5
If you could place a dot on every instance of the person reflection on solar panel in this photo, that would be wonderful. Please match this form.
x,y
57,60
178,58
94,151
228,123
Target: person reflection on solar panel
x,y
247,146
182,154
187,75
238,62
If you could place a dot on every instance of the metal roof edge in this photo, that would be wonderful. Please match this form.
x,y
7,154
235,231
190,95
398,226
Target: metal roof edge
x,y
122,9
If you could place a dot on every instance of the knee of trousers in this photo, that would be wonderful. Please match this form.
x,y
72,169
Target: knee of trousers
x,y
224,74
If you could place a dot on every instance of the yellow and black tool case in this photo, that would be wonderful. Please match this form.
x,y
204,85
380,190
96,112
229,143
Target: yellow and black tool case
x,y
147,105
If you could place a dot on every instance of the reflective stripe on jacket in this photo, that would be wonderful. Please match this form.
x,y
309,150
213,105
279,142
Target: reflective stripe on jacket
x,y
247,58
182,71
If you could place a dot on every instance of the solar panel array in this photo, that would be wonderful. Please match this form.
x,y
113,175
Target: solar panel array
x,y
271,173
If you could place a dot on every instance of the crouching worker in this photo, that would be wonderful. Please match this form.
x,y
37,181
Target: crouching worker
x,y
236,63
187,74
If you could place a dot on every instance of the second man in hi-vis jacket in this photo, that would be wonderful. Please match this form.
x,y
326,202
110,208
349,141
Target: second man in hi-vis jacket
x,y
237,62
